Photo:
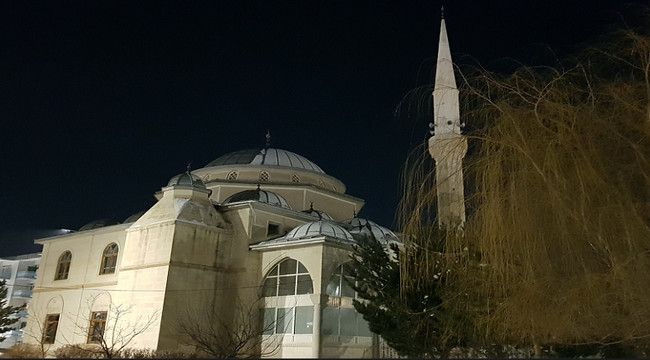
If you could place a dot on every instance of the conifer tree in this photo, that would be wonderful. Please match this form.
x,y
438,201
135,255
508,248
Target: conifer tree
x,y
7,318
411,323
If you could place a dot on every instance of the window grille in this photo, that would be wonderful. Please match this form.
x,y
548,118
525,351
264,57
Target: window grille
x,y
289,277
63,266
96,327
50,327
109,259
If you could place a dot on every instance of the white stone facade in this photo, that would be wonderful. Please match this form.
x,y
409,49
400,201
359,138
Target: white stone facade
x,y
210,243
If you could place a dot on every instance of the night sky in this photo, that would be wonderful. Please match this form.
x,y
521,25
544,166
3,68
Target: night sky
x,y
101,102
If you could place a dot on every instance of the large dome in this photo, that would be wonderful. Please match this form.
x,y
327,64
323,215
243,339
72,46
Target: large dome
x,y
267,156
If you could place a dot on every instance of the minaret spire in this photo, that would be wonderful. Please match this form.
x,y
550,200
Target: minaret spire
x,y
447,146
445,95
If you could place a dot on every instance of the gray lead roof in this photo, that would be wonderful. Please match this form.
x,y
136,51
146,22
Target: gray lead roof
x,y
267,197
267,156
319,228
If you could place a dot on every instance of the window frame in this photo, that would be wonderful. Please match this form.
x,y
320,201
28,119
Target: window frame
x,y
337,312
63,266
97,321
291,315
270,225
275,274
6,272
105,267
341,274
49,324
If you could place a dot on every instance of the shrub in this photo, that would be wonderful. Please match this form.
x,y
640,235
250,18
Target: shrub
x,y
77,352
154,354
23,351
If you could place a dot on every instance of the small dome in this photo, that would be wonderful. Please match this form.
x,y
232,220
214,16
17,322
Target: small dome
x,y
266,156
95,224
262,196
319,228
186,179
134,217
364,226
320,215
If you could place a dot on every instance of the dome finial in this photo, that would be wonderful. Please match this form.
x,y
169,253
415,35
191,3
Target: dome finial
x,y
189,166
311,206
442,11
258,187
268,138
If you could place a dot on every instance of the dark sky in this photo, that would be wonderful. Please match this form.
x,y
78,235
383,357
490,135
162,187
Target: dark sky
x,y
101,102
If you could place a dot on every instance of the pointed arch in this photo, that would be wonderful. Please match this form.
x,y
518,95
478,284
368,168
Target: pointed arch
x,y
287,277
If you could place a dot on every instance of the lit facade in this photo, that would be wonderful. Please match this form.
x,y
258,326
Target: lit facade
x,y
265,228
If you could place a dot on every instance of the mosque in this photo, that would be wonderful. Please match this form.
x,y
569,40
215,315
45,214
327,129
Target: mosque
x,y
264,228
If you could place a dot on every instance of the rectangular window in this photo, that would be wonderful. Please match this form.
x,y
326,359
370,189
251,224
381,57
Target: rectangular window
x,y
96,327
284,321
272,229
50,327
348,320
304,320
330,321
362,326
6,272
268,322
298,320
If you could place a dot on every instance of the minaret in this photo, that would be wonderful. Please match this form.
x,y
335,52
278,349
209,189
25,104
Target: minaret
x,y
447,146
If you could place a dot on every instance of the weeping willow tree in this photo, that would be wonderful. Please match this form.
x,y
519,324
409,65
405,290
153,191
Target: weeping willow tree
x,y
556,247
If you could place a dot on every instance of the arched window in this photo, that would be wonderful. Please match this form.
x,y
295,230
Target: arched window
x,y
339,284
109,259
63,266
289,277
